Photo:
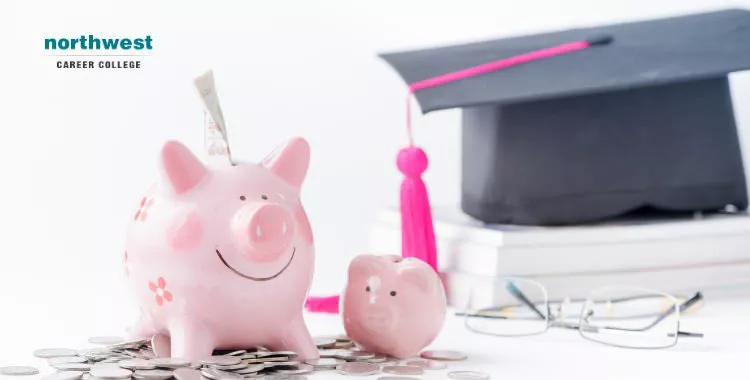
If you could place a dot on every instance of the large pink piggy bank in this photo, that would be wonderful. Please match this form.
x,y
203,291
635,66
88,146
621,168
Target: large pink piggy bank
x,y
222,258
392,305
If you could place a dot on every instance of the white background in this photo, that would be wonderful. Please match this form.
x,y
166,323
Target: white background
x,y
78,147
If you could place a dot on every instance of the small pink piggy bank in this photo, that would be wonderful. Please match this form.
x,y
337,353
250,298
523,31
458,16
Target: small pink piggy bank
x,y
222,258
392,305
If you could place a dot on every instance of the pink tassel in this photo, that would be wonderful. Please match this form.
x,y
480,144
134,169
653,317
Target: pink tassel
x,y
417,233
329,305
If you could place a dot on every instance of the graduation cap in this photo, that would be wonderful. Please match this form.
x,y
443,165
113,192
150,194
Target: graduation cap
x,y
587,124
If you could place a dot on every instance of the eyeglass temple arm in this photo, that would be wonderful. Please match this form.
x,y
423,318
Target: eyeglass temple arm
x,y
513,289
683,306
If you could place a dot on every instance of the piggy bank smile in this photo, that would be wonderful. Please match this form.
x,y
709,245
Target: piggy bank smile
x,y
255,278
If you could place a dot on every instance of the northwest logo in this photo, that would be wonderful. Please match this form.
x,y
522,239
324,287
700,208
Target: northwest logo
x,y
92,42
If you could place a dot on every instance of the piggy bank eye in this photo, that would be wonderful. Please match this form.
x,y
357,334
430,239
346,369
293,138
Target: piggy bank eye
x,y
264,197
242,198
367,288
393,293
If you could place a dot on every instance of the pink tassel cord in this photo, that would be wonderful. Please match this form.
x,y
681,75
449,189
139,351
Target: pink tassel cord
x,y
417,230
417,233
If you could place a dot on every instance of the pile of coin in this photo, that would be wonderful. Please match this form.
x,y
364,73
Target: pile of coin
x,y
124,360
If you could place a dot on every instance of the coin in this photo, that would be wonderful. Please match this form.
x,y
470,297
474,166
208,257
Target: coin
x,y
294,370
426,364
266,360
221,360
378,358
170,362
187,374
468,375
106,340
155,374
64,375
284,377
446,355
110,372
47,353
322,342
358,369
236,353
395,378
136,364
355,355
251,368
329,353
66,359
344,345
18,370
287,363
276,353
403,370
85,367
217,374
324,363
232,367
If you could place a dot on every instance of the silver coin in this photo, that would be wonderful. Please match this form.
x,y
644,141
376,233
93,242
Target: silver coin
x,y
426,364
344,345
170,362
355,355
358,369
324,363
217,374
322,342
378,358
110,372
66,359
284,377
18,370
136,364
403,370
395,378
106,340
133,343
187,374
250,368
233,367
329,353
294,370
468,375
64,375
155,374
85,367
275,353
290,363
237,353
254,376
446,355
267,360
47,353
221,360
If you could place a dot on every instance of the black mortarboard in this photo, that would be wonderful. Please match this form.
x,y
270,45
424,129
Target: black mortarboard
x,y
643,121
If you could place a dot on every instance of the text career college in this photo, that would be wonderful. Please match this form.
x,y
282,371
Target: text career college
x,y
70,47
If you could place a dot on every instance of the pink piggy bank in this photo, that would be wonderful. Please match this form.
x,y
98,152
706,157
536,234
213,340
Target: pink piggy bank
x,y
392,305
222,258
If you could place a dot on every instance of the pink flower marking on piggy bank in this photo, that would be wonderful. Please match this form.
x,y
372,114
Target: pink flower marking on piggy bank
x,y
392,305
225,258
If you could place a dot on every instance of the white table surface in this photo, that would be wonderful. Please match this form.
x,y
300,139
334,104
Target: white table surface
x,y
558,354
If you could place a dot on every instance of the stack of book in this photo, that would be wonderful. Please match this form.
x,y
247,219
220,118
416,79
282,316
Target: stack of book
x,y
676,255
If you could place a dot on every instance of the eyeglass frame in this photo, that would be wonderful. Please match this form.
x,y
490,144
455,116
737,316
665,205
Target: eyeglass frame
x,y
551,321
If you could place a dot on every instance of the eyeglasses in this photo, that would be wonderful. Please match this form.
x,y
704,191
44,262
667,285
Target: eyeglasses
x,y
617,316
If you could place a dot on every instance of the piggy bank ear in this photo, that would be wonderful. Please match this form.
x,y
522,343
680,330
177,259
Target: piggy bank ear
x,y
180,170
290,161
363,265
418,273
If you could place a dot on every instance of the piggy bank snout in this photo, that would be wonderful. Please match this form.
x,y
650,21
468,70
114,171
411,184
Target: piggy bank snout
x,y
264,231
